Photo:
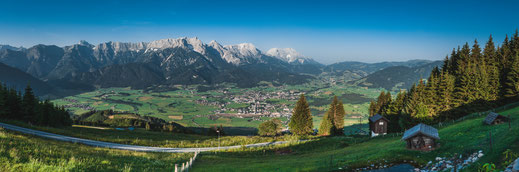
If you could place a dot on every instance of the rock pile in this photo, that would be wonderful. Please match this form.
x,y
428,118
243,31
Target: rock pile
x,y
447,164
440,164
514,167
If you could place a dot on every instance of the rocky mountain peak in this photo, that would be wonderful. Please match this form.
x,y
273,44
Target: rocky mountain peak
x,y
188,43
84,43
8,47
241,53
289,55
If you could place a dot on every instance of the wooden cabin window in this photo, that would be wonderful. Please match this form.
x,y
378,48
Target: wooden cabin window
x,y
381,123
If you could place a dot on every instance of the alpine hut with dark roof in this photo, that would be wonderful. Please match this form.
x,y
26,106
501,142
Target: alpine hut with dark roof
x,y
378,125
494,118
421,137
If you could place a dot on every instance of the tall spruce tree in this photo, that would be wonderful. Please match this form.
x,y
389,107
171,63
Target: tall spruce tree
x,y
13,104
512,79
445,90
326,126
301,120
492,61
339,118
393,112
372,108
29,103
332,112
3,106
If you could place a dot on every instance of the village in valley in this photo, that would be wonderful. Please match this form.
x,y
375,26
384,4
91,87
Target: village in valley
x,y
254,103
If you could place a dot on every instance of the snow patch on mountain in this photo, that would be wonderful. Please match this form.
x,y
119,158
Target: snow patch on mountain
x,y
289,55
244,53
188,43
8,47
241,53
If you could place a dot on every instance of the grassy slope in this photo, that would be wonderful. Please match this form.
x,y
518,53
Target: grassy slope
x,y
151,138
464,137
26,153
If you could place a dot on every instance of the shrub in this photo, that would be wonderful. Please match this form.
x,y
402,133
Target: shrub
x,y
270,128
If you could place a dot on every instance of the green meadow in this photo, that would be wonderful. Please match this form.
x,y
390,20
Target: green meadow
x,y
155,138
24,153
336,153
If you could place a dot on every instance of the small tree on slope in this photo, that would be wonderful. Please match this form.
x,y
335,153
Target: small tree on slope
x,y
301,120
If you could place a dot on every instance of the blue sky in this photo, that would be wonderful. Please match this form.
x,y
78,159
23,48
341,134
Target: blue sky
x,y
328,31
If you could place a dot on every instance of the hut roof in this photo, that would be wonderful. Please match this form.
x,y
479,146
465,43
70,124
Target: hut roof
x,y
491,117
376,117
421,129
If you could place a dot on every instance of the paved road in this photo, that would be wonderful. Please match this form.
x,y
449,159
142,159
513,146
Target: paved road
x,y
123,146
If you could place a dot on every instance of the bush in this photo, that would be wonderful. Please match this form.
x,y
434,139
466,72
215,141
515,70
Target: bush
x,y
270,128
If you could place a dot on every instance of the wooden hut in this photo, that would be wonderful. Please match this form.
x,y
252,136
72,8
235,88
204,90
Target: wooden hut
x,y
494,118
378,125
421,137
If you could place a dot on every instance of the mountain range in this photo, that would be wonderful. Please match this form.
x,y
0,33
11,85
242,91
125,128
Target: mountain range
x,y
84,66
166,61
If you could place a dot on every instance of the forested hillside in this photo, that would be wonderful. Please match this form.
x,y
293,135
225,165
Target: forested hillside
x,y
28,108
471,79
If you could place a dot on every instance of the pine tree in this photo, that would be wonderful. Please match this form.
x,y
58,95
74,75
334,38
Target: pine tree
x,y
332,112
445,91
326,127
512,79
414,105
431,89
490,56
504,61
393,112
3,106
29,103
446,64
380,102
13,104
514,43
301,120
372,106
339,118
454,61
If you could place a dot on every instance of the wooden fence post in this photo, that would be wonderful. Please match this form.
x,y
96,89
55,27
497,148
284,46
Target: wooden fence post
x,y
176,167
183,166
